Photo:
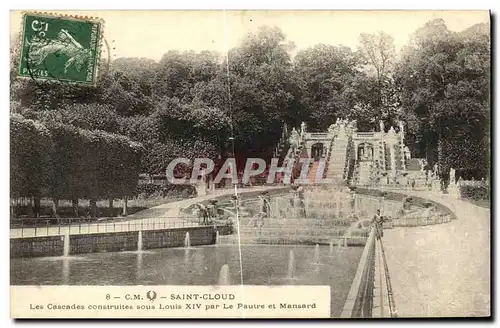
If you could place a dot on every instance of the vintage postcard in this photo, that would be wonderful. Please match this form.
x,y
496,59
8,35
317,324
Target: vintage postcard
x,y
250,164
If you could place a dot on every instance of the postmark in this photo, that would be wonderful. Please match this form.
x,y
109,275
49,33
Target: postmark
x,y
60,48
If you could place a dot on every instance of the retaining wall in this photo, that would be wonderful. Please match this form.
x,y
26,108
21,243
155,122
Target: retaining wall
x,y
359,302
110,242
37,246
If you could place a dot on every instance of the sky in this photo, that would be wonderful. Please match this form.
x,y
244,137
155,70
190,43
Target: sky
x,y
152,33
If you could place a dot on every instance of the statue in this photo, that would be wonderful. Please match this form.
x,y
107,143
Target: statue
x,y
422,163
452,176
381,124
354,125
342,132
391,130
302,128
331,128
401,127
201,188
407,153
294,138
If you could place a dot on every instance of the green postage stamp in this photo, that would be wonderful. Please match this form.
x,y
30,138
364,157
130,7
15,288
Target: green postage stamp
x,y
61,48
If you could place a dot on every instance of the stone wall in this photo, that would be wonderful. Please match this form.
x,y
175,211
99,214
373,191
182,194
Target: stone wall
x,y
359,301
103,242
36,246
176,238
400,195
110,242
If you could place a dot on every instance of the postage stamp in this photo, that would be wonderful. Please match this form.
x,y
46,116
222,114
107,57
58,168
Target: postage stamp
x,y
62,48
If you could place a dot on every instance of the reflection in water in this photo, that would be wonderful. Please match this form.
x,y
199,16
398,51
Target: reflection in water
x,y
316,259
65,270
138,271
66,245
263,265
291,265
139,241
224,278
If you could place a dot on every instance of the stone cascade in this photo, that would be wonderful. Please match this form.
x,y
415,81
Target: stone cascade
x,y
283,145
313,171
360,158
380,157
303,144
338,163
364,173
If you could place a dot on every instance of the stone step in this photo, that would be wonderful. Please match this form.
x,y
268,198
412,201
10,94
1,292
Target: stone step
x,y
290,233
304,239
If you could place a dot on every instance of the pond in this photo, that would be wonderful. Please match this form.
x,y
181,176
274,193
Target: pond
x,y
262,265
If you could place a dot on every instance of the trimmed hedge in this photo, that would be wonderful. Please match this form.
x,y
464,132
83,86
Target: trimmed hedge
x,y
475,192
149,189
31,150
65,162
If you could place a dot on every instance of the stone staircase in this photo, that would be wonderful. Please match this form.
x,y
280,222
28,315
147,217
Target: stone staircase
x,y
337,162
295,231
313,171
364,173
283,145
399,156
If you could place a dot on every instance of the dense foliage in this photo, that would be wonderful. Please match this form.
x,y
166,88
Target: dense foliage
x,y
445,94
189,104
63,161
475,191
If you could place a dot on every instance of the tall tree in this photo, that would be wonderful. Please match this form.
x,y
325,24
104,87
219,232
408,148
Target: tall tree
x,y
378,53
445,84
327,76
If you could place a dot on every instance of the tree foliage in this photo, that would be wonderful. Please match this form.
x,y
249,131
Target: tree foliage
x,y
444,77
189,104
62,161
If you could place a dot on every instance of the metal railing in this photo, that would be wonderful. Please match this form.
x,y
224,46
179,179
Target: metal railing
x,y
365,134
317,135
390,295
20,228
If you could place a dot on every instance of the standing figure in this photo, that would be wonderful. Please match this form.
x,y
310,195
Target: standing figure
x,y
302,128
302,204
332,128
378,224
407,153
452,176
265,205
203,214
294,138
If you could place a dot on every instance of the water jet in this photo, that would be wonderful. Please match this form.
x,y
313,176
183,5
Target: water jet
x,y
291,265
224,278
